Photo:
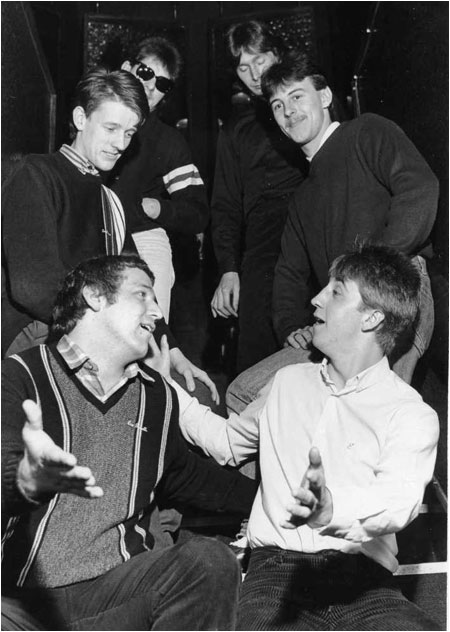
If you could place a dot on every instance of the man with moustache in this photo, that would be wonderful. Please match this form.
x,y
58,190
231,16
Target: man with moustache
x,y
366,181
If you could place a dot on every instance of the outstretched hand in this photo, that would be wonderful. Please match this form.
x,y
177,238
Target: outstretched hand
x,y
313,503
46,469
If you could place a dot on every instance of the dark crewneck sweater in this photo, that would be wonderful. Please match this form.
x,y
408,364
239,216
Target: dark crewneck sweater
x,y
52,220
366,182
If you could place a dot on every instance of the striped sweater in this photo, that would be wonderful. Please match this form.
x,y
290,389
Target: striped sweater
x,y
133,445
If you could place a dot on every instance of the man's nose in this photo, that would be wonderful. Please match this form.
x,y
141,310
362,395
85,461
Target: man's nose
x,y
256,73
121,141
155,310
317,299
289,110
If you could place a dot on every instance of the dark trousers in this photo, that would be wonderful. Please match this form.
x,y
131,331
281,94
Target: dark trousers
x,y
329,590
190,586
257,339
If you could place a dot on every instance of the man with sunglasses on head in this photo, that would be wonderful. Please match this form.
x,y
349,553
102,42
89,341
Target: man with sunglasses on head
x,y
160,187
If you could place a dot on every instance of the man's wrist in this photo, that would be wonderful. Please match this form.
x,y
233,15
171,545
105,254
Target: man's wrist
x,y
25,490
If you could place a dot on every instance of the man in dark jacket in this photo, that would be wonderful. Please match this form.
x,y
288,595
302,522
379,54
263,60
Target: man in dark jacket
x,y
257,169
94,565
160,187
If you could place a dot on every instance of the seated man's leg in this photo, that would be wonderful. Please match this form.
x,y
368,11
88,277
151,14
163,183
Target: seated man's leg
x,y
246,386
405,364
384,608
190,586
270,598
327,590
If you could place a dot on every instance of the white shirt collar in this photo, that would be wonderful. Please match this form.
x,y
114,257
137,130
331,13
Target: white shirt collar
x,y
330,129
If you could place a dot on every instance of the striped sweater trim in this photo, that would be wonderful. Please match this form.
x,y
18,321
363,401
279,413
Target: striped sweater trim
x,y
66,446
165,432
25,366
137,452
181,178
114,222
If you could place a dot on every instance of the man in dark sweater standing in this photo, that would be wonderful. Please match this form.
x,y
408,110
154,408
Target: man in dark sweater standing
x,y
56,212
93,565
367,182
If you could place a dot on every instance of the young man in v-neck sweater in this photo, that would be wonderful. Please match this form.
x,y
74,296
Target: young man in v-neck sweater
x,y
98,416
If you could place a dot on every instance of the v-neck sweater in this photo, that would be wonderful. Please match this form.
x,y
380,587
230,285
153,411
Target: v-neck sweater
x,y
133,445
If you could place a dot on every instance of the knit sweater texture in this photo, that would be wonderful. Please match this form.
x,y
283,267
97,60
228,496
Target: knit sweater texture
x,y
366,182
133,444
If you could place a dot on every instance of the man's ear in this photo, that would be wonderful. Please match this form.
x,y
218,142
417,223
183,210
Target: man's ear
x,y
94,299
326,96
126,66
79,118
372,320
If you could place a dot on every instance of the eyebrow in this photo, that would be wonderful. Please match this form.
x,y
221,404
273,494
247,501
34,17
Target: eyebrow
x,y
288,94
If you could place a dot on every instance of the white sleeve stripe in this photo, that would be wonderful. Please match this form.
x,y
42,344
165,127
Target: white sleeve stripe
x,y
183,184
185,170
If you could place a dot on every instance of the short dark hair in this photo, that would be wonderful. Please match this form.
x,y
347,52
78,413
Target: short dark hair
x,y
293,67
388,281
100,85
162,48
104,273
252,37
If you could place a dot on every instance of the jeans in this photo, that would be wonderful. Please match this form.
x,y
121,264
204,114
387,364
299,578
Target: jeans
x,y
190,586
246,386
327,590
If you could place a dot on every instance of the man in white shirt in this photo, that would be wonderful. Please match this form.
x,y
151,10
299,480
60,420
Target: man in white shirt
x,y
362,445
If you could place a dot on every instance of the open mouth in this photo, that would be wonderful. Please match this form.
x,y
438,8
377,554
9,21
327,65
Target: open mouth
x,y
148,328
318,321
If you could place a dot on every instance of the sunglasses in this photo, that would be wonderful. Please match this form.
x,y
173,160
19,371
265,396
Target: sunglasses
x,y
146,73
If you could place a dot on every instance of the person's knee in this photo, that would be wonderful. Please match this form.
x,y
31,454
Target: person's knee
x,y
212,560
